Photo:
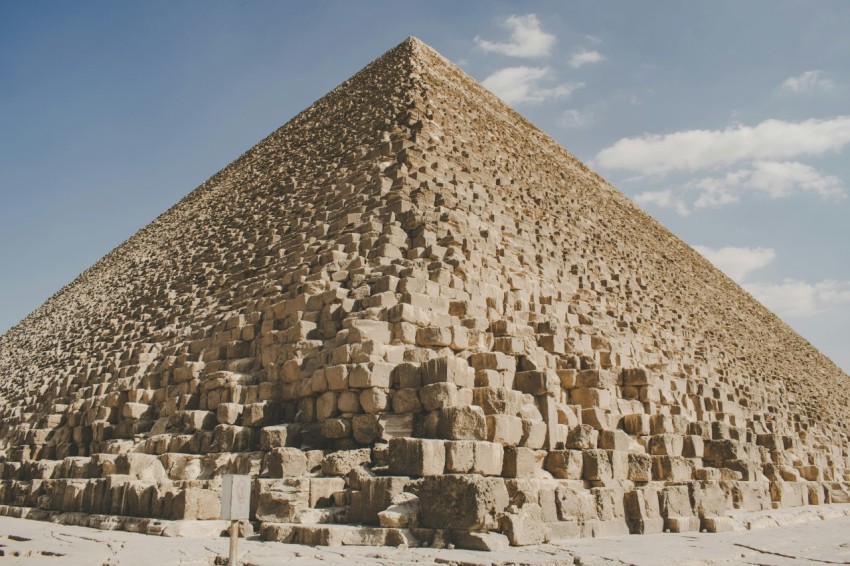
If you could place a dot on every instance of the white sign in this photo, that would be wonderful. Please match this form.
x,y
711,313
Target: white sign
x,y
235,497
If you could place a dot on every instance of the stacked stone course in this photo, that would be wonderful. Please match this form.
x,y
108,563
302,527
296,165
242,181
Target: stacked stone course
x,y
413,318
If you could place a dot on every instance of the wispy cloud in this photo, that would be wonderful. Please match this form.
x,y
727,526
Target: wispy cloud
x,y
796,298
584,57
774,179
664,199
516,85
810,81
736,262
790,297
692,150
527,38
577,119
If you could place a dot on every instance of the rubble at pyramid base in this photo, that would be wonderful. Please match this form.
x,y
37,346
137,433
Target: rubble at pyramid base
x,y
412,319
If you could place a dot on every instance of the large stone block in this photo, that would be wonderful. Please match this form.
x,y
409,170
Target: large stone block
x,y
462,423
504,429
417,457
466,502
448,370
565,464
286,463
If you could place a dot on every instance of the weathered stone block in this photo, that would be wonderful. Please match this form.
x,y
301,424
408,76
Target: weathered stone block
x,y
596,465
504,429
417,456
286,462
448,370
465,502
462,423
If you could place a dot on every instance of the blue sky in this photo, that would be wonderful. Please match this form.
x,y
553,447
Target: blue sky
x,y
727,121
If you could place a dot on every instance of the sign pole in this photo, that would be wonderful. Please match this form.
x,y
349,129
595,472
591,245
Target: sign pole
x,y
234,540
235,505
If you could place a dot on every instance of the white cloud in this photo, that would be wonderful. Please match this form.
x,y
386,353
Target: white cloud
x,y
781,179
515,85
585,57
775,179
810,81
527,39
691,150
663,199
735,262
798,298
576,119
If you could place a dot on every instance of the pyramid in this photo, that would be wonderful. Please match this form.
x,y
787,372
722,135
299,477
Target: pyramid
x,y
413,318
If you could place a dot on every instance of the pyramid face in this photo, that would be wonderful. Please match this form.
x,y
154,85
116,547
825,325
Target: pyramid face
x,y
409,307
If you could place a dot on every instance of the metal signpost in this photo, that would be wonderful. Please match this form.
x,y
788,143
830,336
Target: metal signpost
x,y
235,506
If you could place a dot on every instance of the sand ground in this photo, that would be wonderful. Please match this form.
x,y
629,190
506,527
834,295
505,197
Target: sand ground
x,y
815,541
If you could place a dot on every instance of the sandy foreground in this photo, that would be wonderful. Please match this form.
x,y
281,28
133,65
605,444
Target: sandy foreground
x,y
804,537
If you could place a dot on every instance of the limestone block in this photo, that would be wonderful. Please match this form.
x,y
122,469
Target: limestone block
x,y
635,377
675,502
462,423
672,468
348,402
372,374
195,503
374,400
135,411
323,491
326,406
281,500
460,456
488,458
525,526
144,467
640,467
341,462
336,429
438,396
439,336
408,376
466,502
693,447
376,495
417,456
402,513
710,500
504,429
537,382
286,462
636,424
582,437
259,414
471,540
565,464
362,330
596,418
614,440
337,377
576,504
279,436
719,451
596,465
595,379
533,434
498,400
448,370
406,401
643,514
666,445
522,462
